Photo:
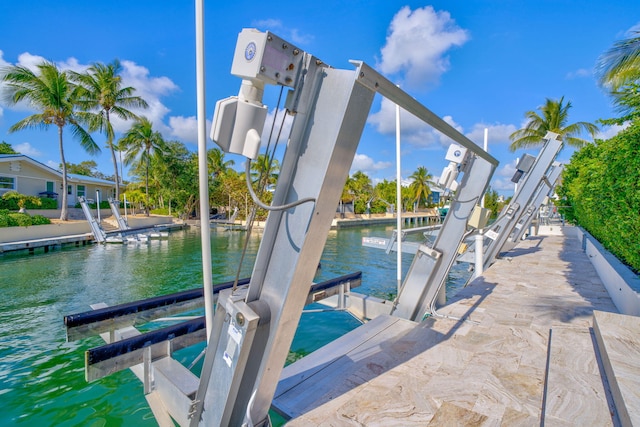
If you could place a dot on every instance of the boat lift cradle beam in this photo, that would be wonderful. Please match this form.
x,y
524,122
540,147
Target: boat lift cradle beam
x,y
253,330
535,185
423,285
543,192
98,233
523,200
126,352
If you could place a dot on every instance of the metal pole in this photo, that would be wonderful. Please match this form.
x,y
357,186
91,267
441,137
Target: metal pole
x,y
479,255
205,226
98,204
398,203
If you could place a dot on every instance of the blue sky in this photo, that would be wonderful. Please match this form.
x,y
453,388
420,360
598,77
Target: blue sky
x,y
475,63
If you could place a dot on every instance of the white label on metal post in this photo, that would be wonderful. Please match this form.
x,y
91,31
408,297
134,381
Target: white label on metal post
x,y
491,234
235,333
230,351
227,358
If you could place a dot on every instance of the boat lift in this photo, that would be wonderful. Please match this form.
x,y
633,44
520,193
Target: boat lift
x,y
98,233
536,177
254,325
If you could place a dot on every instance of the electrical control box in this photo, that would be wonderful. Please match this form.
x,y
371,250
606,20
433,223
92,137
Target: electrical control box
x,y
266,57
237,126
479,217
456,153
524,165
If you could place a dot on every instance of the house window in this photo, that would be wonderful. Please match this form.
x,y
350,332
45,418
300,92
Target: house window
x,y
50,187
435,197
69,190
7,183
80,192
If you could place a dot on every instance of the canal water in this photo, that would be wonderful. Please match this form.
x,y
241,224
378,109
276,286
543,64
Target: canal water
x,y
42,376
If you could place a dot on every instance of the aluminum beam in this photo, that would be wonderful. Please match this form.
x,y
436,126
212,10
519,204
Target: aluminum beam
x,y
431,265
500,230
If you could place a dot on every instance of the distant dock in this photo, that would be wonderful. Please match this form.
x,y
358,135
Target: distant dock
x,y
46,244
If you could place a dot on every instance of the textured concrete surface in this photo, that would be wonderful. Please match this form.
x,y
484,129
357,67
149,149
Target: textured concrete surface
x,y
618,338
523,355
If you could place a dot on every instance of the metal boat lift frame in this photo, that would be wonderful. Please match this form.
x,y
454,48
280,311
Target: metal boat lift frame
x,y
254,326
537,184
515,218
253,329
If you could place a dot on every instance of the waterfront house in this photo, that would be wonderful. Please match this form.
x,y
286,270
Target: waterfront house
x,y
28,176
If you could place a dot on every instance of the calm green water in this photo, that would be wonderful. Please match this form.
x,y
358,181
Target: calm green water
x,y
42,376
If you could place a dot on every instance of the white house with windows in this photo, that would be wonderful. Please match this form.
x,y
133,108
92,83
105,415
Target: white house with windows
x,y
27,176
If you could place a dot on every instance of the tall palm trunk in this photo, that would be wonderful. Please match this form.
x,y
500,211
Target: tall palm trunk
x,y
147,185
114,159
63,211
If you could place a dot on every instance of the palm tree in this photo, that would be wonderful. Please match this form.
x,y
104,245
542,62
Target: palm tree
x,y
53,94
620,65
141,142
216,163
619,70
420,187
264,171
554,118
101,89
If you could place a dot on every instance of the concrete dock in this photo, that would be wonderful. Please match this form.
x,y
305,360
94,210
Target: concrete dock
x,y
540,343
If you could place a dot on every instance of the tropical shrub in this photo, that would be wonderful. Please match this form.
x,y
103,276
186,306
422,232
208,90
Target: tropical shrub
x,y
21,219
40,220
47,203
11,203
15,219
4,218
600,187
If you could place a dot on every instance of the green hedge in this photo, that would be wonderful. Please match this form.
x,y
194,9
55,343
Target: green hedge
x,y
104,204
12,204
15,219
601,186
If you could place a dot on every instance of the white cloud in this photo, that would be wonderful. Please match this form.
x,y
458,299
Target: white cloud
x,y
413,130
497,133
268,23
151,89
280,128
610,131
27,149
417,43
502,178
419,134
184,128
30,61
3,63
292,35
300,39
507,169
364,163
580,73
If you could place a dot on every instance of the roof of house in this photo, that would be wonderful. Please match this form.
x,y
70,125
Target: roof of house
x,y
72,177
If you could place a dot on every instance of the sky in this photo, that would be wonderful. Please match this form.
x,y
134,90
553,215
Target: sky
x,y
476,64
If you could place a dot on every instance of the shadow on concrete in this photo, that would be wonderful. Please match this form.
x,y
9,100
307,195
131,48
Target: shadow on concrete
x,y
364,354
518,251
581,276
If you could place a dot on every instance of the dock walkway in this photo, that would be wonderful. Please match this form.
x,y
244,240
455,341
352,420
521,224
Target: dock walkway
x,y
526,354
